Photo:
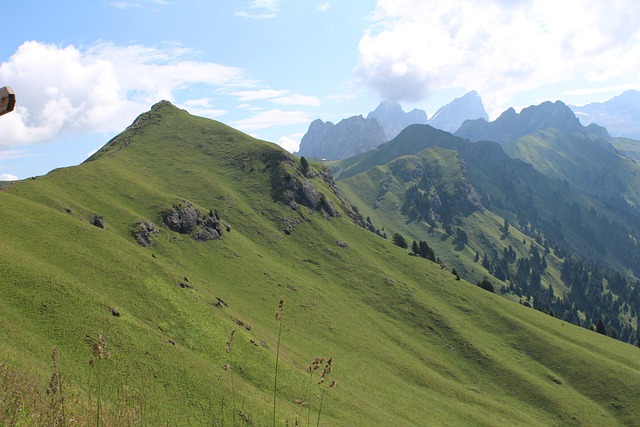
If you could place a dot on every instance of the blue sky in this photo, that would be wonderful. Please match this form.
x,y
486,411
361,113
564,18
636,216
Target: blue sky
x,y
83,70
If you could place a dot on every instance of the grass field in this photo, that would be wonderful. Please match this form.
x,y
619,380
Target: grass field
x,y
410,344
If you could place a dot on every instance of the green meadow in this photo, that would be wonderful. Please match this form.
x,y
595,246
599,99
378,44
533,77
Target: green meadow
x,y
410,345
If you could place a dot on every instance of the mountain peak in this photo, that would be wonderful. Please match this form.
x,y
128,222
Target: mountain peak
x,y
511,125
162,104
388,106
346,138
393,119
452,115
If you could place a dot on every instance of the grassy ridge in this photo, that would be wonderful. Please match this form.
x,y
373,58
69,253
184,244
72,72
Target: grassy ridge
x,y
410,344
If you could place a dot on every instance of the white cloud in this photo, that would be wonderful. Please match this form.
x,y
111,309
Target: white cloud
x,y
277,96
323,7
62,91
259,94
7,177
260,9
414,47
270,118
12,154
202,107
297,99
291,143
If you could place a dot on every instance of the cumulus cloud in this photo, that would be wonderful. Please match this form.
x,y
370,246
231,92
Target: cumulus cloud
x,y
291,143
260,9
63,91
413,47
7,177
269,118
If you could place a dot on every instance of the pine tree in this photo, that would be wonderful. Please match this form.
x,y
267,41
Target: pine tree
x,y
399,240
304,165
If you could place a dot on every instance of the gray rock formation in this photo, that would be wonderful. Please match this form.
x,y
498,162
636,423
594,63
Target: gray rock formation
x,y
190,220
349,137
393,119
143,232
449,117
98,221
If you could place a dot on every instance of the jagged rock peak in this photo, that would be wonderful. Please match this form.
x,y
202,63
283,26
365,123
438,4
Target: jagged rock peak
x,y
511,125
393,118
449,117
349,137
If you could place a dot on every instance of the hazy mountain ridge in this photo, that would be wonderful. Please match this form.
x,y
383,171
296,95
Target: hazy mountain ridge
x,y
510,125
620,115
356,135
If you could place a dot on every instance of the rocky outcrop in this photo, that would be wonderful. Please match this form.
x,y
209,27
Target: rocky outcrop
x,y
143,231
98,221
349,137
186,219
293,189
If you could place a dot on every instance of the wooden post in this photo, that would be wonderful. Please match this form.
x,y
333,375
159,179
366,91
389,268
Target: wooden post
x,y
7,100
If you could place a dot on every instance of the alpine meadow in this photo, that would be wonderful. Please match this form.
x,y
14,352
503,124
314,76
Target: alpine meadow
x,y
190,274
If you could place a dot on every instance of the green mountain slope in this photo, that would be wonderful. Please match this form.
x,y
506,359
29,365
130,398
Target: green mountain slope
x,y
627,147
586,162
410,344
551,217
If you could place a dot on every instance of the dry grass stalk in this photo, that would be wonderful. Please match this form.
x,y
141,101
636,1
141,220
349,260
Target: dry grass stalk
x,y
279,314
229,367
328,368
100,356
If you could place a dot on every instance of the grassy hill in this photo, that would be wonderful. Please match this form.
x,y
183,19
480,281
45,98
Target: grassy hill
x,y
628,147
588,164
410,344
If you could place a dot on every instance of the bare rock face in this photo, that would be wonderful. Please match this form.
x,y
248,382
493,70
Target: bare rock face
x,y
452,115
190,220
97,221
143,232
349,137
393,119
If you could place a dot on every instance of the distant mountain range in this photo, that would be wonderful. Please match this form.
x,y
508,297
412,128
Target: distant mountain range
x,y
620,115
511,125
355,135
